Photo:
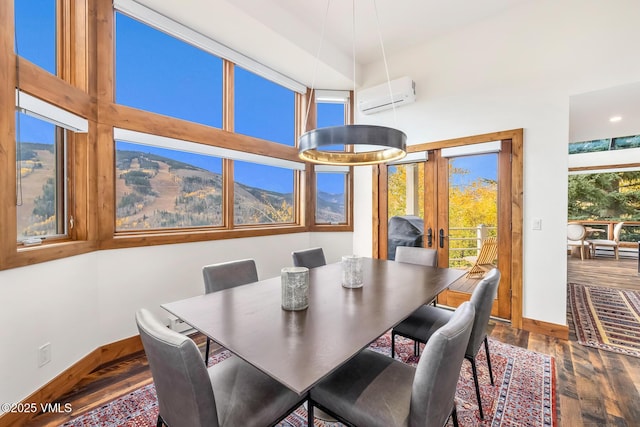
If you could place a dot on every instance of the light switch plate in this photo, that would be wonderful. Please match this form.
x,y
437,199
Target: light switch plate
x,y
536,224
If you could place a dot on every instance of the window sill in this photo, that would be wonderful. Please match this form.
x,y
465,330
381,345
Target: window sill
x,y
27,255
130,240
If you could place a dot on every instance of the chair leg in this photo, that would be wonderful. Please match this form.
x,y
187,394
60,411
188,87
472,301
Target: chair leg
x,y
393,345
454,416
310,416
206,352
160,422
486,349
475,381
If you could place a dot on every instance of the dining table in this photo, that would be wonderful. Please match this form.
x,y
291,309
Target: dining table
x,y
300,348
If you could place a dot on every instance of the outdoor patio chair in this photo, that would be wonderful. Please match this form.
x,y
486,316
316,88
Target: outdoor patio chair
x,y
576,234
608,243
485,261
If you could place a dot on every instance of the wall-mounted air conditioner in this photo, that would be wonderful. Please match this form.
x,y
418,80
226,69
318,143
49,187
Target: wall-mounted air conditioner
x,y
379,98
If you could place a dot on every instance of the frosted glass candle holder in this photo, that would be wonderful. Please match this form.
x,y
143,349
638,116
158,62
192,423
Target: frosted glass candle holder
x,y
295,288
352,271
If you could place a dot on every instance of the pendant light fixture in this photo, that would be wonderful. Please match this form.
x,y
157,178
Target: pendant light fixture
x,y
388,144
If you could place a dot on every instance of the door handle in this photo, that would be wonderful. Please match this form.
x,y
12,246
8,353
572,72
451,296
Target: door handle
x,y
441,238
429,237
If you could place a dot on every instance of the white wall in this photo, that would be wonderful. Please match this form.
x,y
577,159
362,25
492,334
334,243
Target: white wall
x,y
514,71
80,303
517,70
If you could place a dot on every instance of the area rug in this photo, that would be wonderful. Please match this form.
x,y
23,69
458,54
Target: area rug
x,y
524,393
606,318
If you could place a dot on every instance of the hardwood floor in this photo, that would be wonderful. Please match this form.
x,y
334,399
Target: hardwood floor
x,y
594,388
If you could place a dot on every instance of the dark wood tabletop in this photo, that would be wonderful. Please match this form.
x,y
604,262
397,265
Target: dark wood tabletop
x,y
299,348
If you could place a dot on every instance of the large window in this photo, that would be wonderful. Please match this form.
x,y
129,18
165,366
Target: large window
x,y
155,175
331,182
263,194
43,132
159,73
41,189
331,196
163,188
35,32
263,109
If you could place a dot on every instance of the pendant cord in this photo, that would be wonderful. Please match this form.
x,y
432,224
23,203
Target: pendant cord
x,y
386,66
315,69
353,44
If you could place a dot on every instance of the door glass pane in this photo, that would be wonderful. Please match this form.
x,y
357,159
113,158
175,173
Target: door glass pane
x,y
405,198
473,210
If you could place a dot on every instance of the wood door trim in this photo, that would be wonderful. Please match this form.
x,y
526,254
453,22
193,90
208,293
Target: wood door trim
x,y
515,275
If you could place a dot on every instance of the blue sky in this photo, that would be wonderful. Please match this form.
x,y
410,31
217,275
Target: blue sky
x,y
479,166
159,73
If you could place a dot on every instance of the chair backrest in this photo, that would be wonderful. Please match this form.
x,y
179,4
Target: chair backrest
x,y
310,258
185,394
229,275
488,251
482,299
415,255
437,373
576,232
616,231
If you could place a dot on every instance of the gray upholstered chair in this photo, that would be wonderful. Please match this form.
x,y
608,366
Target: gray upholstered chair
x,y
230,393
417,255
375,390
613,243
224,276
423,322
310,258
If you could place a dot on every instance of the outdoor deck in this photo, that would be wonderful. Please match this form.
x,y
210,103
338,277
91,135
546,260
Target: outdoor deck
x,y
601,271
604,271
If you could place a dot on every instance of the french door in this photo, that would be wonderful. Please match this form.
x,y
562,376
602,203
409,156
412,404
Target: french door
x,y
455,200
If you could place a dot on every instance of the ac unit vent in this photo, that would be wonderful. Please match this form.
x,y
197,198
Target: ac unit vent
x,y
380,98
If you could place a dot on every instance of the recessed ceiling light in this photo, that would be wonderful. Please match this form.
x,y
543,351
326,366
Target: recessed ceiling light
x,y
615,119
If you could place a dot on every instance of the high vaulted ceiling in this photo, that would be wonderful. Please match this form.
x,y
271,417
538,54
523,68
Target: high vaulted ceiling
x,y
286,34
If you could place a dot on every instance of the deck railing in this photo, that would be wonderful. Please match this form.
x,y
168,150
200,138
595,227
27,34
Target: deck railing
x,y
629,235
466,242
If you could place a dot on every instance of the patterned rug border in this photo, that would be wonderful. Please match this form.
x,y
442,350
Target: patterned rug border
x,y
589,325
530,401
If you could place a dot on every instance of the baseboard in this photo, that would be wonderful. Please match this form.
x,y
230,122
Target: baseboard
x,y
67,379
545,328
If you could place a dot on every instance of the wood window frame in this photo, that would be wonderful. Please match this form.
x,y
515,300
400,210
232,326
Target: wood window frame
x,y
84,85
311,174
68,90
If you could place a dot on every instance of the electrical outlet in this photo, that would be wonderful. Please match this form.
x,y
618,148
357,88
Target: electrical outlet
x,y
44,354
